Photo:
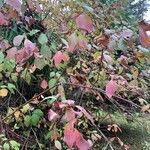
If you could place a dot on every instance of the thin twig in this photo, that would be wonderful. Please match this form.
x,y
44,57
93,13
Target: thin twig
x,y
27,102
102,91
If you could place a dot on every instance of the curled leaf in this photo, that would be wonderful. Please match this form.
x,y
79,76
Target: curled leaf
x,y
52,115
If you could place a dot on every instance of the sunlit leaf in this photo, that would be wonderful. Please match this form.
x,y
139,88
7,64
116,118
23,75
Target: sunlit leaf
x,y
3,92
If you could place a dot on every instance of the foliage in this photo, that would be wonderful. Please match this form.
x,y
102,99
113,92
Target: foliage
x,y
58,57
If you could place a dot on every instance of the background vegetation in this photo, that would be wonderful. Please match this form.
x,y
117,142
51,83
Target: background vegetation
x,y
74,74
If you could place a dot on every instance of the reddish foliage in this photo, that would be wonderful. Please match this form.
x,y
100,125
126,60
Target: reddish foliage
x,y
44,84
16,4
84,22
144,38
111,88
3,20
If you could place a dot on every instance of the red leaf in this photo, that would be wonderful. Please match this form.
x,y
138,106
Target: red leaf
x,y
69,134
17,40
44,84
16,4
144,38
21,56
81,143
111,88
58,57
52,115
11,53
84,22
3,20
77,42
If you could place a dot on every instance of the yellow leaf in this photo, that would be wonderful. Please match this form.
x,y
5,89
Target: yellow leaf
x,y
17,114
3,92
25,108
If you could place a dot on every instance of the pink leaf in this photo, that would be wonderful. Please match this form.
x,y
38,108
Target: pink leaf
x,y
70,114
111,88
17,40
29,46
69,134
84,22
3,20
52,115
16,4
44,84
31,49
88,116
81,143
21,56
59,57
11,53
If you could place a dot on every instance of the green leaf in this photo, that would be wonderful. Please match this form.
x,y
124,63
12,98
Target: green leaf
x,y
52,74
53,47
51,83
27,120
32,32
1,57
26,76
35,119
11,87
38,112
48,135
9,65
42,39
40,63
14,145
45,51
58,145
6,146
